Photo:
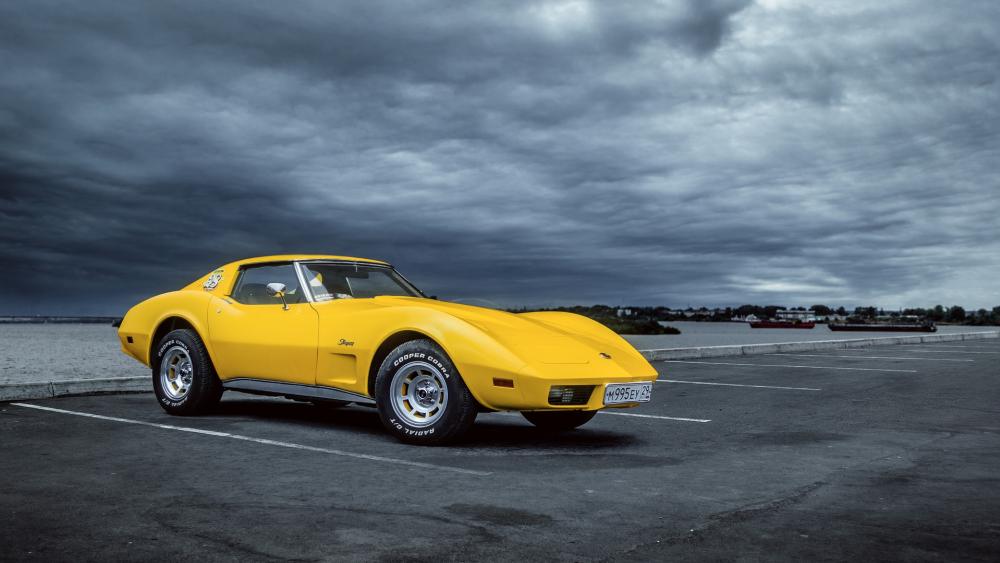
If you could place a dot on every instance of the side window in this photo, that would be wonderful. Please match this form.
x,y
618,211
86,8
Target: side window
x,y
251,288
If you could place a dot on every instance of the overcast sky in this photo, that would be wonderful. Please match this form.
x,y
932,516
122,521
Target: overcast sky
x,y
517,153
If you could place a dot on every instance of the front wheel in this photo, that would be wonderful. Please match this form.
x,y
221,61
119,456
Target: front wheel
x,y
558,420
184,380
420,395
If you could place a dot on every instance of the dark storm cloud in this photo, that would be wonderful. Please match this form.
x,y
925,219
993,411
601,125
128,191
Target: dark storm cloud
x,y
521,153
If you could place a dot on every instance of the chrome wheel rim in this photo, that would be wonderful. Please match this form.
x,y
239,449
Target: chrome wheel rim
x,y
419,394
176,373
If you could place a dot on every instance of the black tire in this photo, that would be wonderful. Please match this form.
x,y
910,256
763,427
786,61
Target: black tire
x,y
559,420
203,391
460,407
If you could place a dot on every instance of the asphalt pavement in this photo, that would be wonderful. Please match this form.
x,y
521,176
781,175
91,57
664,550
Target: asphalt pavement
x,y
888,453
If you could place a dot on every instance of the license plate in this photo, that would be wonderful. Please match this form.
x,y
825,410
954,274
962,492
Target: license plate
x,y
618,393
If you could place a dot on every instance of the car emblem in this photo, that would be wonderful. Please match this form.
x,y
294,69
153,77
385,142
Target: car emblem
x,y
605,355
213,280
346,342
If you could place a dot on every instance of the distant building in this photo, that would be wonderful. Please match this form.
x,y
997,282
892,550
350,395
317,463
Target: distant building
x,y
791,315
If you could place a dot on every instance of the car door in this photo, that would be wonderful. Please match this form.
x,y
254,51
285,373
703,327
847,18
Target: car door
x,y
255,335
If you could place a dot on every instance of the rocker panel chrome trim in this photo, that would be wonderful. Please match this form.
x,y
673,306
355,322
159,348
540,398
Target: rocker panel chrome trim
x,y
295,389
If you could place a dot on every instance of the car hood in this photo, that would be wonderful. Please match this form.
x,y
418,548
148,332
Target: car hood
x,y
531,339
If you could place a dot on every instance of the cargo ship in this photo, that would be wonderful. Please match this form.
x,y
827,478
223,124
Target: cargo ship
x,y
883,327
885,323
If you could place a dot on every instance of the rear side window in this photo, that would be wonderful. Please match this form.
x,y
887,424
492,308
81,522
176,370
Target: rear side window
x,y
251,287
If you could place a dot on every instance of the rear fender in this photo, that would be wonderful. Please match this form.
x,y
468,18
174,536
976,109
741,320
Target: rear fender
x,y
141,323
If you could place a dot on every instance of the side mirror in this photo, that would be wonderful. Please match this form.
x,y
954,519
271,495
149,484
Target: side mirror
x,y
276,289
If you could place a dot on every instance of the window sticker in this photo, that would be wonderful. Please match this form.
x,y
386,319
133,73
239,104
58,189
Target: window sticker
x,y
213,280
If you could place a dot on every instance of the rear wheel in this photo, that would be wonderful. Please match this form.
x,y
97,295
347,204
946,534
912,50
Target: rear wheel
x,y
184,380
559,420
420,395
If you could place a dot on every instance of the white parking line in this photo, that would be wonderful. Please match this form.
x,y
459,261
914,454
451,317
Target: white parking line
x,y
950,352
508,413
785,366
655,416
260,440
737,385
939,345
867,357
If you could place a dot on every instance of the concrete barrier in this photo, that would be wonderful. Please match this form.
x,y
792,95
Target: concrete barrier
x,y
48,389
808,346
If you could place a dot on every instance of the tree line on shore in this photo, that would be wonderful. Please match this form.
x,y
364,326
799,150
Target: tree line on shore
x,y
613,319
955,314
645,320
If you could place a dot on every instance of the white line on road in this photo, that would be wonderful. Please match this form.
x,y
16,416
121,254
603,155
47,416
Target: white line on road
x,y
785,366
509,413
867,357
260,440
950,352
737,385
655,416
940,345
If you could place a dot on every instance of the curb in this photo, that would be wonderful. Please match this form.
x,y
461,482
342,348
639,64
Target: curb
x,y
751,349
49,389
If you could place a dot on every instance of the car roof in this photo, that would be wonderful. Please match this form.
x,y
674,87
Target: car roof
x,y
295,257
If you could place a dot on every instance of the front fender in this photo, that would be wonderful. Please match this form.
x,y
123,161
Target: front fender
x,y
597,335
479,357
352,332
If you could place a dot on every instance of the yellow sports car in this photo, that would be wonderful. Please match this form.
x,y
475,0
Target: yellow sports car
x,y
336,330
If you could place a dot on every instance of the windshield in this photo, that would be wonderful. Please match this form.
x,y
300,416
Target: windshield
x,y
345,281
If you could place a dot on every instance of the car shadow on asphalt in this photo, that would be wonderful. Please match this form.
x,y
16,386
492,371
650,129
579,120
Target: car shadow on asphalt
x,y
354,418
489,431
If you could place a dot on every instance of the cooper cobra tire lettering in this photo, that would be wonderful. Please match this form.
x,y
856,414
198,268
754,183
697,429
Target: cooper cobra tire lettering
x,y
411,356
440,366
168,344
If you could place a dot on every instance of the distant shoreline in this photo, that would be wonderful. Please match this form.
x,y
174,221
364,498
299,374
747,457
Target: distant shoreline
x,y
46,319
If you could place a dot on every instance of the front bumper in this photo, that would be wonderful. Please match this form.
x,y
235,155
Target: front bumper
x,y
539,396
530,392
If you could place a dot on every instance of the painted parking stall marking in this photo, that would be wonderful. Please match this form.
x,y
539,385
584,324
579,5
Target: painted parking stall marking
x,y
928,346
651,416
737,385
925,351
264,441
866,357
785,366
656,416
